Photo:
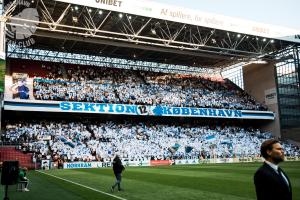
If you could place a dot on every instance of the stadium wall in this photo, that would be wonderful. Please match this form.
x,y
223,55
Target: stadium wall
x,y
153,163
259,82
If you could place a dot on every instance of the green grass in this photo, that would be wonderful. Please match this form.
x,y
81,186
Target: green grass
x,y
207,181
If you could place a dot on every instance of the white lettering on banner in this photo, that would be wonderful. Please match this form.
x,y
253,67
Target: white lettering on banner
x,y
126,109
148,110
179,14
103,108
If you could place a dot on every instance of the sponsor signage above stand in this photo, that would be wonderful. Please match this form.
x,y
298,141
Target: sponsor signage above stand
x,y
189,16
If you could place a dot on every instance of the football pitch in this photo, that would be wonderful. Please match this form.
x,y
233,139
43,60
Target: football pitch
x,y
205,181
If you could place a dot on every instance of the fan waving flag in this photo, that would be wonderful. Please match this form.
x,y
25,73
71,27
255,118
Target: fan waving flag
x,y
188,149
210,137
174,148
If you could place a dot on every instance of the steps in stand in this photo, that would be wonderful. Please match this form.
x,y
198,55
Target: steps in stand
x,y
11,153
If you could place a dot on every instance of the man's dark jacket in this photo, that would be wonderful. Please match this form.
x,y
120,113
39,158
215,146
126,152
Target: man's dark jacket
x,y
117,166
270,186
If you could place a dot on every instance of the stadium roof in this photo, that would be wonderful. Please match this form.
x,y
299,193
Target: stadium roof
x,y
143,30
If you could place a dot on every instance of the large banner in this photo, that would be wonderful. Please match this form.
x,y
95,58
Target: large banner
x,y
18,86
189,16
127,109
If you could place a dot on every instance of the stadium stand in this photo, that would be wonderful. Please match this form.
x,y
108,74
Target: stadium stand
x,y
179,74
102,85
70,141
11,153
93,141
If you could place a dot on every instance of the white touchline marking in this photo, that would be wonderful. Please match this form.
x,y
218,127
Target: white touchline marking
x,y
82,185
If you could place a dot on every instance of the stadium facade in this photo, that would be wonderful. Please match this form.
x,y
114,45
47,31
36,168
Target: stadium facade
x,y
143,35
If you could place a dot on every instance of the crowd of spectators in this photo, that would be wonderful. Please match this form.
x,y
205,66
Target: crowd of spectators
x,y
99,141
91,141
106,85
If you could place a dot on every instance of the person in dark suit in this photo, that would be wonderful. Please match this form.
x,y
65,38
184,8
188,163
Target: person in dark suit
x,y
118,168
271,182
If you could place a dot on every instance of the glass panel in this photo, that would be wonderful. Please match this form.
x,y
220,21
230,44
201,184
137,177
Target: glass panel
x,y
288,89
